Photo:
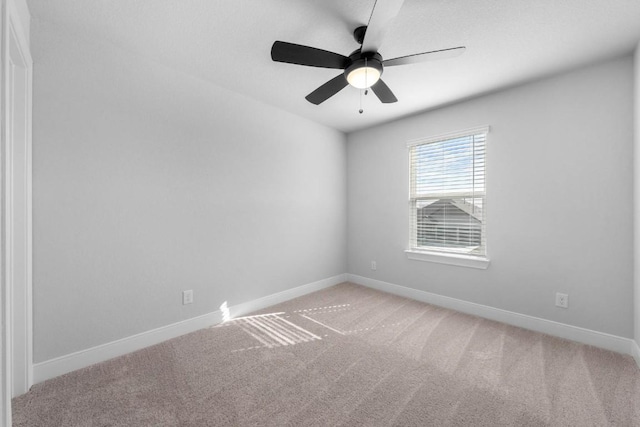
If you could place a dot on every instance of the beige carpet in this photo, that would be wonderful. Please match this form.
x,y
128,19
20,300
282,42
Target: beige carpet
x,y
348,356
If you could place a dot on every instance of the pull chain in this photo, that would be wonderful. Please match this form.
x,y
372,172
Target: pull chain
x,y
366,74
366,77
366,81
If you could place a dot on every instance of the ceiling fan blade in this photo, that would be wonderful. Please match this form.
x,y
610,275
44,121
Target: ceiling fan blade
x,y
425,56
304,55
327,90
383,14
383,92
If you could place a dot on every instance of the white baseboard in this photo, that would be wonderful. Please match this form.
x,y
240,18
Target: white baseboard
x,y
61,365
70,362
635,352
260,303
574,333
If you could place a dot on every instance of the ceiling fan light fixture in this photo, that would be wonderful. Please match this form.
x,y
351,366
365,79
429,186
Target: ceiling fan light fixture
x,y
363,77
364,70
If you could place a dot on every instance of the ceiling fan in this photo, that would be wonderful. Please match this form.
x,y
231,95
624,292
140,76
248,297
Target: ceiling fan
x,y
364,66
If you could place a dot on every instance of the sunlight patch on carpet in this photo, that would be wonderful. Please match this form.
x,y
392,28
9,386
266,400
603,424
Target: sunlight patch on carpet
x,y
272,330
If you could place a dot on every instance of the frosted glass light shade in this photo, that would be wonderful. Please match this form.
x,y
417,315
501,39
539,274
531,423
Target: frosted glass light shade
x,y
363,77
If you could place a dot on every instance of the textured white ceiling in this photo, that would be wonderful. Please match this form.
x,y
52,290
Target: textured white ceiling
x,y
228,43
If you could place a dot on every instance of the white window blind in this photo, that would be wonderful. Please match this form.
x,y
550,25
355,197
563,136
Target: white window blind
x,y
447,200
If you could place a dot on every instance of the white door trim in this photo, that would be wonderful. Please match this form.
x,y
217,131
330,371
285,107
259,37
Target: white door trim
x,y
17,325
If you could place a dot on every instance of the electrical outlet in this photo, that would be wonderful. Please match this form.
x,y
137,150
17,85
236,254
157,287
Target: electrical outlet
x,y
374,265
562,300
187,297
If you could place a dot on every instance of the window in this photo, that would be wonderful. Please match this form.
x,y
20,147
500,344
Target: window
x,y
447,200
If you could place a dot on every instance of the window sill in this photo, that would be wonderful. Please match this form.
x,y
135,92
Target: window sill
x,y
451,259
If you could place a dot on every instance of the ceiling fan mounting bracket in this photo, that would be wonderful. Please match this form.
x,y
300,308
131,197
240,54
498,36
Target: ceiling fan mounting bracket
x,y
359,32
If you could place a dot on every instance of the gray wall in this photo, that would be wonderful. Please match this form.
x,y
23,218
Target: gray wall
x,y
559,199
148,182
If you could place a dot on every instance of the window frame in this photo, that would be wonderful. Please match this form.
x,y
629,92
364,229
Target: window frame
x,y
433,254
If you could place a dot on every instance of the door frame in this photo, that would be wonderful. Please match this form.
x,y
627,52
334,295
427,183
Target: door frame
x,y
17,321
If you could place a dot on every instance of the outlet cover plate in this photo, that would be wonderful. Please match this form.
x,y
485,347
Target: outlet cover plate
x,y
562,300
187,297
